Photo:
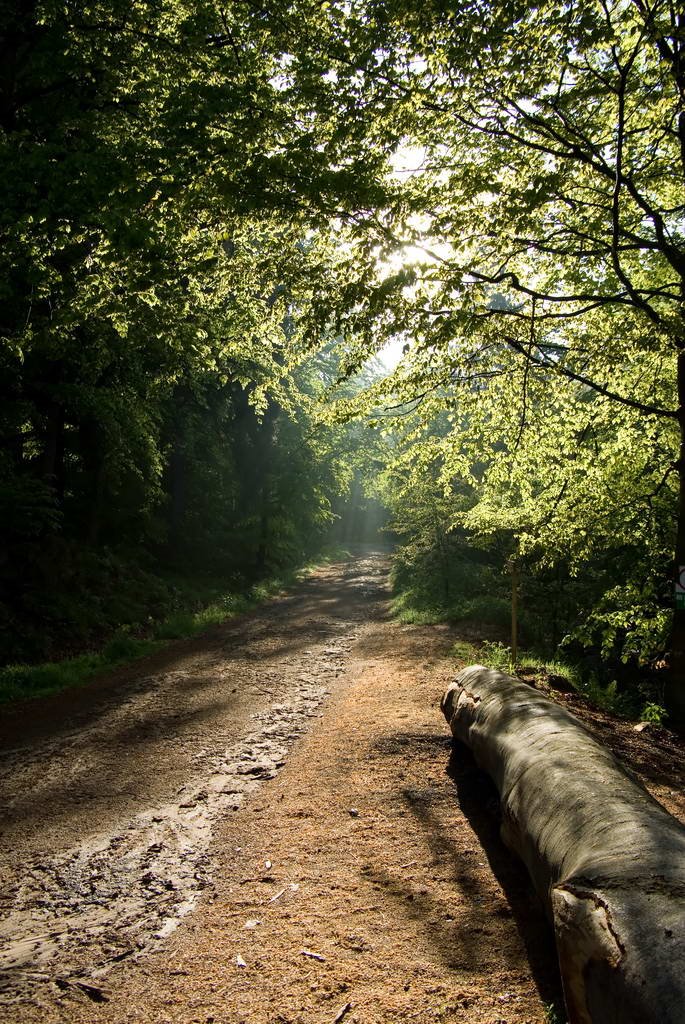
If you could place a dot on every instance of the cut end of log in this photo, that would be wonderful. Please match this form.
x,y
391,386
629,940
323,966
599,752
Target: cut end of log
x,y
459,690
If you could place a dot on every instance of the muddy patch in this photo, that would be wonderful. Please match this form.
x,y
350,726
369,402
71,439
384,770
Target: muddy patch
x,y
115,896
69,915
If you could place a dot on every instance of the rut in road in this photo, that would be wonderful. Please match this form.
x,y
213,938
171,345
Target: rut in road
x,y
109,807
365,883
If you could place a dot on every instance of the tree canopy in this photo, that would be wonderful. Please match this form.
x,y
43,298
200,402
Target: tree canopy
x,y
215,218
540,240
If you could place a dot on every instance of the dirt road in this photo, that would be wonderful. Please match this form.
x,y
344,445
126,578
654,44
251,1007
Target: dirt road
x,y
264,825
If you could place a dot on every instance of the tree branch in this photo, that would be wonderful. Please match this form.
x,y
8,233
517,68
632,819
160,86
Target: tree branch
x,y
548,364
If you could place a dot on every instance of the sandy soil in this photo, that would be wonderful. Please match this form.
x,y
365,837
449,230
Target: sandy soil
x,y
270,825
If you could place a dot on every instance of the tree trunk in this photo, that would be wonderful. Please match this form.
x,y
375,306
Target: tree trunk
x,y
444,557
91,450
177,489
675,691
53,448
263,454
263,539
514,611
607,860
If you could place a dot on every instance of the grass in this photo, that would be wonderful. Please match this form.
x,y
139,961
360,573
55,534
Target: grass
x,y
189,623
497,655
19,682
480,605
467,652
211,606
553,1015
604,696
413,608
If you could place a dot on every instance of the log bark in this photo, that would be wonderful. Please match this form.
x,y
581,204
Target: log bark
x,y
607,860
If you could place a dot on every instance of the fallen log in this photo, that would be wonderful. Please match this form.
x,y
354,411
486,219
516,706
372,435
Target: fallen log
x,y
606,859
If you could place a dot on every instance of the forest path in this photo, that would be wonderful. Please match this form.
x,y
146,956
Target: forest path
x,y
325,861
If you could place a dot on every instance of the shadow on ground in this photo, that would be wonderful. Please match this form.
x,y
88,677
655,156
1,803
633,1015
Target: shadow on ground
x,y
478,799
457,908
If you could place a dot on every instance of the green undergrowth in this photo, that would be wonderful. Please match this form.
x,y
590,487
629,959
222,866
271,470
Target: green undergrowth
x,y
20,682
201,605
418,602
560,674
472,592
414,607
554,1015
